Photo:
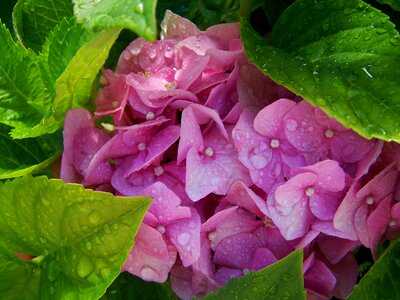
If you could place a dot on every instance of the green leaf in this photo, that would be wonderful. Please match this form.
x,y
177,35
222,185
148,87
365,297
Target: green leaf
x,y
204,13
281,280
26,156
34,20
23,95
19,279
394,4
74,87
127,286
382,280
136,15
342,55
81,238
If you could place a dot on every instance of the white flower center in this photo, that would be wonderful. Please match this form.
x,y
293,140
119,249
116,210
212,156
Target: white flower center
x,y
150,116
310,191
329,133
158,170
209,151
369,200
275,143
142,146
212,235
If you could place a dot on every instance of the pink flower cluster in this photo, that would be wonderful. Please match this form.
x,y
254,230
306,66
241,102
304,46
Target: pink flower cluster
x,y
241,171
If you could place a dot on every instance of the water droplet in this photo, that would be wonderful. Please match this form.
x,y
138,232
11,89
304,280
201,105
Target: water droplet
x,y
258,161
272,289
116,226
325,27
381,30
51,290
287,277
183,238
89,246
85,267
95,217
395,41
291,124
52,271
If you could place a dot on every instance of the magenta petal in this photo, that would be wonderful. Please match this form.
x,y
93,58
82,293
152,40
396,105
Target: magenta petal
x,y
268,121
185,235
369,159
134,184
165,204
347,146
377,223
224,33
224,274
324,204
151,258
261,258
159,143
344,216
360,224
346,273
335,249
319,279
236,250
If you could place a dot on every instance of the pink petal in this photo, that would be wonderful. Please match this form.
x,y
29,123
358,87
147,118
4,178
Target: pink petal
x,y
261,258
293,191
165,204
346,273
360,224
323,205
185,235
224,33
240,195
228,222
151,258
331,176
301,128
268,121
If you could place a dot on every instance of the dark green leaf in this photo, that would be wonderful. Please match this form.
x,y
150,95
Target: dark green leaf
x,y
26,156
6,12
282,280
127,286
136,15
341,55
204,13
382,280
34,20
81,237
394,4
19,279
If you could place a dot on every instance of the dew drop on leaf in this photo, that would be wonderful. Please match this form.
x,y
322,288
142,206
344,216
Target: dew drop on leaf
x,y
85,267
95,217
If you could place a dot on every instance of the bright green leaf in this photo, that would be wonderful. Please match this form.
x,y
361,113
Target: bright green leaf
x,y
19,279
74,86
81,237
34,20
136,15
382,280
26,156
23,96
127,286
60,48
342,55
394,4
281,280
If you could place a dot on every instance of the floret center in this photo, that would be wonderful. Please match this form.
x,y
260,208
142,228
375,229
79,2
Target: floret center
x,y
275,143
310,191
